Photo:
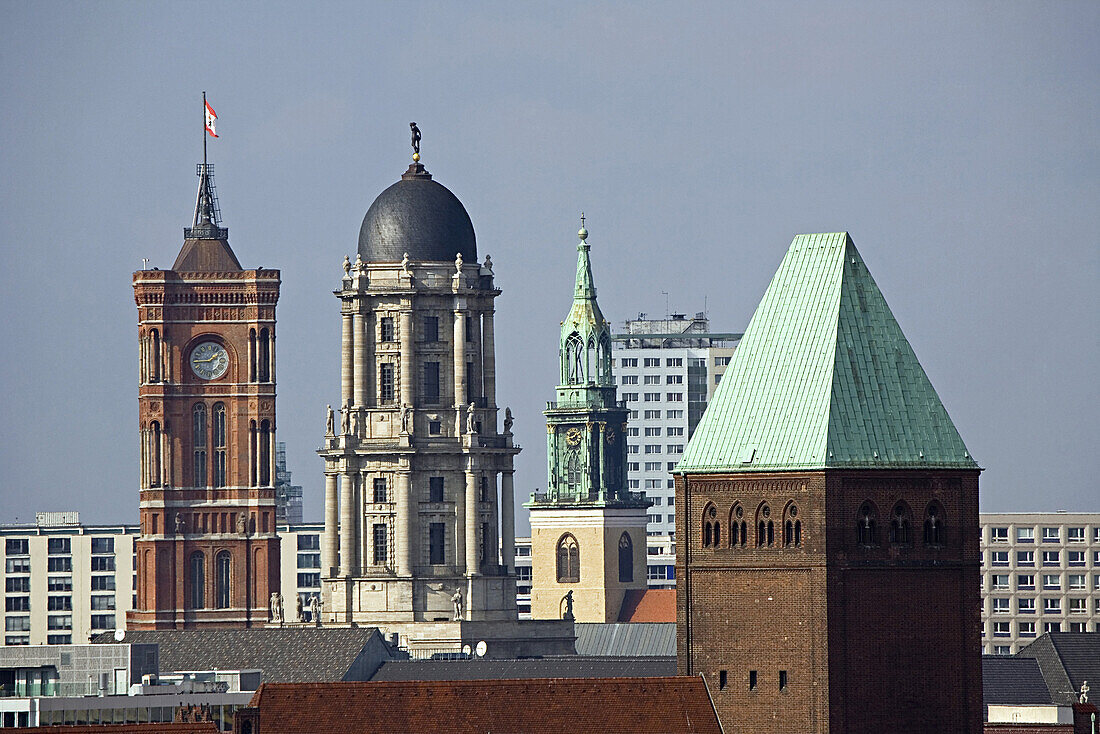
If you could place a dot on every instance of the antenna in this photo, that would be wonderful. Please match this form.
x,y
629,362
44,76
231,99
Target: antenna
x,y
665,293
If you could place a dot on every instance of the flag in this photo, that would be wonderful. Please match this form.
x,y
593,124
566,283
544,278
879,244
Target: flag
x,y
211,118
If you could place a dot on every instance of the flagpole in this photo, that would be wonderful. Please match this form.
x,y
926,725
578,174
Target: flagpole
x,y
204,132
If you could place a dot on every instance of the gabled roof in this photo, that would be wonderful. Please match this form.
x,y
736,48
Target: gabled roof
x,y
824,378
633,639
578,706
1067,659
571,666
648,605
1012,680
206,727
285,655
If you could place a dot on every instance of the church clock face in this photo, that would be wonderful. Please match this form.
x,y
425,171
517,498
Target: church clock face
x,y
573,436
209,360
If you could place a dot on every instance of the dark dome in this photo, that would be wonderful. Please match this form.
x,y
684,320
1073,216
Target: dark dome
x,y
418,216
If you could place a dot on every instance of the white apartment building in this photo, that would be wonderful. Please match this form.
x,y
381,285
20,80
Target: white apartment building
x,y
667,371
64,581
1040,573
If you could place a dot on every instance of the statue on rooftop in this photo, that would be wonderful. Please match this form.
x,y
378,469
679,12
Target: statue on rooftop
x,y
415,140
1084,697
315,609
298,608
330,423
507,420
276,607
456,601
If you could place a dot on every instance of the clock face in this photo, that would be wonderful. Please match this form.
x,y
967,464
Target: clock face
x,y
209,360
573,436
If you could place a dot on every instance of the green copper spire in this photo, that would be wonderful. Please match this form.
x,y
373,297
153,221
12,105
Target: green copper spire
x,y
824,378
586,426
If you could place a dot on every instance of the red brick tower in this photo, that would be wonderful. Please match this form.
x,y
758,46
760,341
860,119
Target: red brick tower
x,y
827,521
208,554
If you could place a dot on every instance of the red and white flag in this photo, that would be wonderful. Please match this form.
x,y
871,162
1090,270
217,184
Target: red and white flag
x,y
211,118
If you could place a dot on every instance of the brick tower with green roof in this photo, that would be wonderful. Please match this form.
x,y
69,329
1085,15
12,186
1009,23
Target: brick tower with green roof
x,y
588,538
827,521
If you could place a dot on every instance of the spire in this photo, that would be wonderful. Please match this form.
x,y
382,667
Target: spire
x,y
586,289
585,334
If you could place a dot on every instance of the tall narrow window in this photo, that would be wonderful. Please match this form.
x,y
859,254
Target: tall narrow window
x,y
435,489
484,490
626,559
156,356
155,457
218,415
263,369
934,529
385,329
436,554
221,565
198,443
379,489
430,390
385,383
265,453
251,355
866,529
568,560
573,356
573,472
198,581
378,539
487,554
899,525
431,328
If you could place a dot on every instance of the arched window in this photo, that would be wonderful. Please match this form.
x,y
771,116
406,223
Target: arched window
x,y
574,355
866,527
265,453
605,360
590,361
935,530
569,560
263,368
712,528
573,472
739,529
900,523
626,559
155,463
221,575
198,581
792,527
765,527
156,356
198,443
251,355
218,432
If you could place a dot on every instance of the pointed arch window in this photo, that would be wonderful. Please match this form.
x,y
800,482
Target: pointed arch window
x,y
218,432
765,527
197,579
604,360
739,529
626,559
900,525
935,529
573,472
866,526
568,560
574,359
712,528
792,527
198,443
222,565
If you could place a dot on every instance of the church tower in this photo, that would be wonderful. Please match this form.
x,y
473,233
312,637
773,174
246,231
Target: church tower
x,y
416,468
588,540
827,521
208,555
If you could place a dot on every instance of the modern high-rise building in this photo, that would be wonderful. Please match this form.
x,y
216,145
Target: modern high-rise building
x,y
827,521
208,553
288,496
668,370
1040,573
416,468
588,531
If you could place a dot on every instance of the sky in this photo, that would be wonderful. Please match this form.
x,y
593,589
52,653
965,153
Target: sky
x,y
957,142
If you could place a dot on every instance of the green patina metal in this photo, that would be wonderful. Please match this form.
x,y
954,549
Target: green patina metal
x,y
824,378
586,425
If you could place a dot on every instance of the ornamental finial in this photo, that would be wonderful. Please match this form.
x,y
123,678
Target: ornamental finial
x,y
582,233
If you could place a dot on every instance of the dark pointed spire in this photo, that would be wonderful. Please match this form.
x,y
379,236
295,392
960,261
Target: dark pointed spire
x,y
207,220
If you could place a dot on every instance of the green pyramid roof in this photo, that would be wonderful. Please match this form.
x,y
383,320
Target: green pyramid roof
x,y
824,378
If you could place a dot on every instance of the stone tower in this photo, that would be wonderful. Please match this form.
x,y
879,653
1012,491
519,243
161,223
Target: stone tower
x,y
827,521
208,554
416,469
588,540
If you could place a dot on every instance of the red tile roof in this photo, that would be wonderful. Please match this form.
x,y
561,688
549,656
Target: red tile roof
x,y
579,706
648,605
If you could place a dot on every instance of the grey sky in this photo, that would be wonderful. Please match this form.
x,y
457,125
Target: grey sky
x,y
959,144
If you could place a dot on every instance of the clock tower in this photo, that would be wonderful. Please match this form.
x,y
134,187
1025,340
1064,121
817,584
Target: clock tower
x,y
208,555
588,540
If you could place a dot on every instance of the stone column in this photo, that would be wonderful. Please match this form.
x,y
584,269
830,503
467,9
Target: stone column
x,y
347,524
472,558
329,541
408,380
359,359
489,364
347,365
507,520
473,363
271,453
403,532
460,366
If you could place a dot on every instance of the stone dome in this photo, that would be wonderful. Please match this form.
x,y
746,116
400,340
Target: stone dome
x,y
419,216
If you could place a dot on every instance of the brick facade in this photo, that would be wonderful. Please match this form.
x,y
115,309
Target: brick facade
x,y
817,631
